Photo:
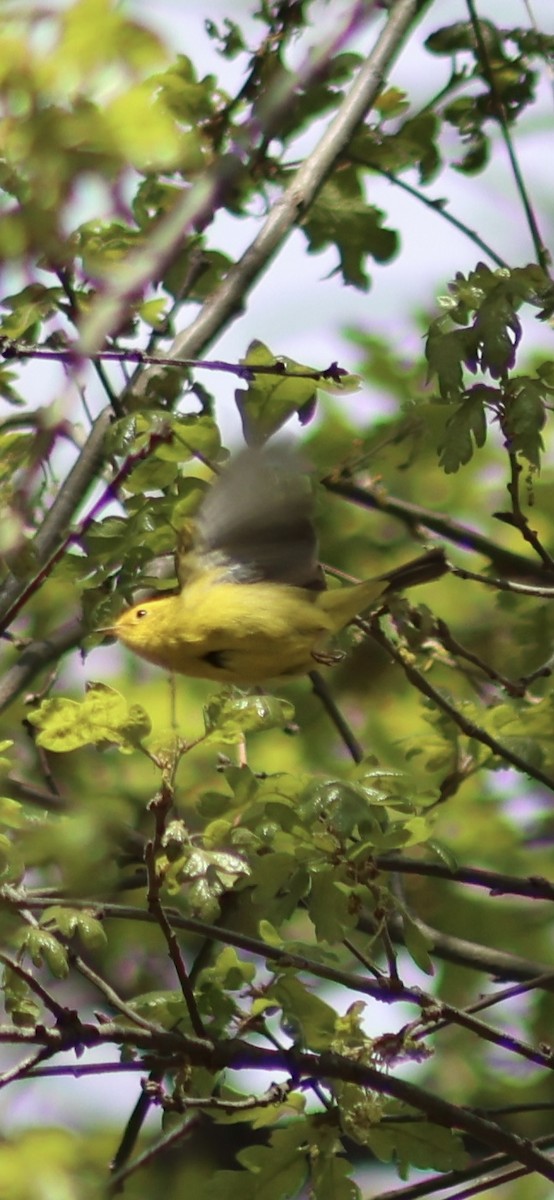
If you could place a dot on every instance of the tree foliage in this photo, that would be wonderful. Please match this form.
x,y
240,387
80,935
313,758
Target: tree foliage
x,y
260,909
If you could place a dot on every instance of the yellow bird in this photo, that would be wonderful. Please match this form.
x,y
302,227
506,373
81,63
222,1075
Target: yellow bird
x,y
253,604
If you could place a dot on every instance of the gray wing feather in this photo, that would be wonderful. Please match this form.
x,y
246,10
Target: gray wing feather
x,y
257,519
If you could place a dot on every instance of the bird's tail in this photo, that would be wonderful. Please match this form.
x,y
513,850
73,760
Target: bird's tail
x,y
343,604
419,570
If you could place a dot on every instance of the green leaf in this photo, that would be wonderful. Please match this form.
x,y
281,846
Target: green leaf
x,y
269,400
103,716
202,270
273,876
417,945
152,312
6,744
230,714
141,127
306,1018
331,1179
190,436
460,35
418,1144
230,971
446,351
13,814
467,425
19,1000
167,1009
280,1169
414,143
72,922
81,48
465,115
42,947
443,853
498,332
189,99
234,1185
268,932
151,475
343,805
341,216
27,309
231,41
332,907
525,418
12,867
205,875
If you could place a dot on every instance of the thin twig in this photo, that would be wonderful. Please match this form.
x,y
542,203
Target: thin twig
x,y
244,371
59,1011
534,887
123,1172
505,585
467,726
449,1179
514,688
546,980
481,958
323,692
472,955
438,207
543,256
36,657
111,995
161,806
513,1045
67,285
78,1069
134,1124
363,959
32,793
543,672
24,1070
415,517
517,518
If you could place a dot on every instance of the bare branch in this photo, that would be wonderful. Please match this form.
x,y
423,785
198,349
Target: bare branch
x,y
415,517
498,884
323,692
36,657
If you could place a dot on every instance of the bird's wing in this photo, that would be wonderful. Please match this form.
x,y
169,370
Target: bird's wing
x,y
256,522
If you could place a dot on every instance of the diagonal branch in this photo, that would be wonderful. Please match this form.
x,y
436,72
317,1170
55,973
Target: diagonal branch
x,y
467,726
227,301
323,692
237,1054
534,886
414,517
35,658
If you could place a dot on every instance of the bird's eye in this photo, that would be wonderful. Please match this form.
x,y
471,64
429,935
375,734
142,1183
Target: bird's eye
x,y
141,612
